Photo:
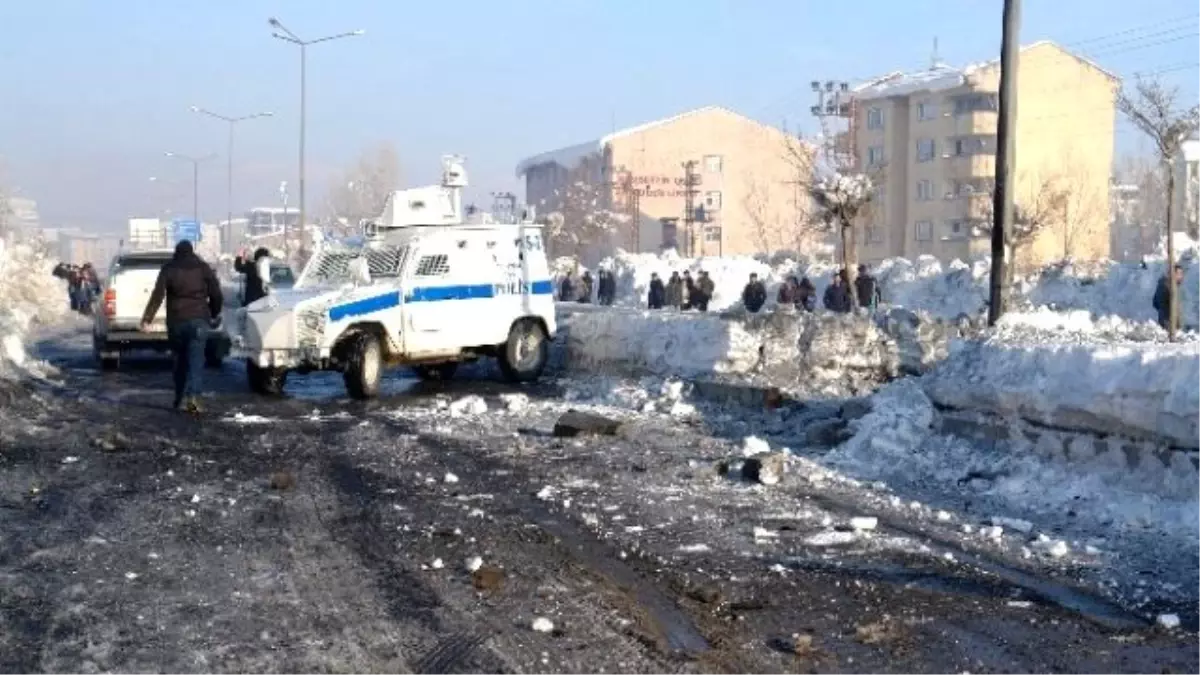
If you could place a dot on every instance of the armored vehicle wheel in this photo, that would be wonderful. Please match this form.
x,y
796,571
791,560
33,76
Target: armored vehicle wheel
x,y
523,357
436,371
364,367
266,381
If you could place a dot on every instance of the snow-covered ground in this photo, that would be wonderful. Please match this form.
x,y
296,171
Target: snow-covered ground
x,y
1103,289
29,297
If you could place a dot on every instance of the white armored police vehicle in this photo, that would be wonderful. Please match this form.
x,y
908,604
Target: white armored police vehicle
x,y
423,287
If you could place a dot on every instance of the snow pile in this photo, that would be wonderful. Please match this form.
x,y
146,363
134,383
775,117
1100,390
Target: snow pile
x,y
29,295
819,354
944,290
1137,390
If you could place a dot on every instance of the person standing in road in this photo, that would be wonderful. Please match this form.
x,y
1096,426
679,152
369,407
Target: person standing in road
x,y
585,290
675,291
867,289
837,294
754,295
705,288
193,297
258,275
1160,298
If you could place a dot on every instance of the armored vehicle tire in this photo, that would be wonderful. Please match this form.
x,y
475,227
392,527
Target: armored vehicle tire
x,y
523,357
266,381
436,371
364,366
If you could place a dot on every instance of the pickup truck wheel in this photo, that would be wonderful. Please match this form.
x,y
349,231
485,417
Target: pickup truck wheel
x,y
364,367
265,381
523,357
437,371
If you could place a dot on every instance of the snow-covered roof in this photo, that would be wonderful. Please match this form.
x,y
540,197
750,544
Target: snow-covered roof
x,y
942,77
570,156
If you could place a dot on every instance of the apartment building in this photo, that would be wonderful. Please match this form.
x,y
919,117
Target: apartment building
x,y
1186,214
929,138
746,194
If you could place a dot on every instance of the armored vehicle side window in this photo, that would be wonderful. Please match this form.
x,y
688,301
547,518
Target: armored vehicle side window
x,y
433,266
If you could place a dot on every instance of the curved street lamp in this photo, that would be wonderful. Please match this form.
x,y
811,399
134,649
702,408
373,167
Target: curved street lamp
x,y
232,122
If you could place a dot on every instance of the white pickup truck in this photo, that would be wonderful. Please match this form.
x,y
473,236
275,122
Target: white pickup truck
x,y
423,288
117,320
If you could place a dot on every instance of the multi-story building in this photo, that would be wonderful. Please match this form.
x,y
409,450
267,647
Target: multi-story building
x,y
929,138
1186,216
746,184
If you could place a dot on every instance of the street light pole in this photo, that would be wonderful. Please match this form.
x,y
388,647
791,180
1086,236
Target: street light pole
x,y
232,122
195,179
282,33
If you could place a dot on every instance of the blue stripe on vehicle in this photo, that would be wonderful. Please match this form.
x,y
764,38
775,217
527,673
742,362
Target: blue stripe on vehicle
x,y
364,306
433,294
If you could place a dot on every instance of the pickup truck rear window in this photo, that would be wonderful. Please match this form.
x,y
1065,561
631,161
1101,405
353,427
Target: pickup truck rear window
x,y
140,264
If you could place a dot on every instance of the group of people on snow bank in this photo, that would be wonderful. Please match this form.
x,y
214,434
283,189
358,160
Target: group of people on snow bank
x,y
681,291
802,294
604,287
83,285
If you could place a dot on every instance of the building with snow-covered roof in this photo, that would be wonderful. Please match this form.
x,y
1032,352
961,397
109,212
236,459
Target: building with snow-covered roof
x,y
1186,215
746,195
930,139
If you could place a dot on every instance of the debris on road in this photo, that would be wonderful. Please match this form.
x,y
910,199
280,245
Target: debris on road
x,y
543,625
468,405
575,423
450,478
282,480
488,578
766,469
862,523
1168,621
753,446
474,563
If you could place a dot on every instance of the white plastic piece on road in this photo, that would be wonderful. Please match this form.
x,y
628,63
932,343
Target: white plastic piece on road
x,y
753,445
450,478
437,564
543,625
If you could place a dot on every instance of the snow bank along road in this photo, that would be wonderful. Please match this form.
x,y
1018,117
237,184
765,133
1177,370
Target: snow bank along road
x,y
445,529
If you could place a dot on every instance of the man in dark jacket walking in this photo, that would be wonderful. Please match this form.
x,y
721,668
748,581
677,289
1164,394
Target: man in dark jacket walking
x,y
657,295
256,285
193,297
837,294
1160,298
754,295
867,289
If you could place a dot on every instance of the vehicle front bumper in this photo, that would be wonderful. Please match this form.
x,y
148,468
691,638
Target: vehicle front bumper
x,y
307,357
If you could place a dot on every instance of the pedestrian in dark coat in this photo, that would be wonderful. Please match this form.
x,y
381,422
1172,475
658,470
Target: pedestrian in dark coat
x,y
256,286
787,292
837,295
691,294
657,295
1161,307
704,290
585,290
193,297
564,289
806,295
754,295
867,289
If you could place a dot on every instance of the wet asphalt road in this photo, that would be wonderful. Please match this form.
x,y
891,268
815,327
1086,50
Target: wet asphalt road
x,y
137,539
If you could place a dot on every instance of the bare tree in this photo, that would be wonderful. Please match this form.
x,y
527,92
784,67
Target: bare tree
x,y
1041,209
840,192
1140,215
361,192
1151,108
757,206
581,217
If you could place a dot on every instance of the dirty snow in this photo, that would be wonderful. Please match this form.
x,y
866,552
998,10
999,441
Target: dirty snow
x,y
39,299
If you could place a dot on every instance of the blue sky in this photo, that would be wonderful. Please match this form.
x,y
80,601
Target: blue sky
x,y
92,93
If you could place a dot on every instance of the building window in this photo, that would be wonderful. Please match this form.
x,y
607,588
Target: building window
x,y
880,198
712,201
925,149
926,110
924,230
924,190
974,145
956,229
712,163
975,103
875,155
875,234
712,235
874,118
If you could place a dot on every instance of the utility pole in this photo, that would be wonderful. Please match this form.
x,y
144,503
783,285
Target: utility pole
x,y
1006,151
282,33
232,122
690,180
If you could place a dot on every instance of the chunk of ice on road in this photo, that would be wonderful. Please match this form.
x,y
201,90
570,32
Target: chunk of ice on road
x,y
474,563
753,445
864,523
543,625
546,493
694,548
681,409
831,538
1055,548
761,533
133,575
1168,621
437,564
70,459
515,402
450,478
242,418
942,516
468,405
992,532
1016,524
